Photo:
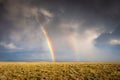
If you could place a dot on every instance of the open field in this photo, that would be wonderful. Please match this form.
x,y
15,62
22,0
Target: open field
x,y
59,71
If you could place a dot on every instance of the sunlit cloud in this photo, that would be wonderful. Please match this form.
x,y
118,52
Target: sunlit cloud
x,y
115,42
9,45
46,13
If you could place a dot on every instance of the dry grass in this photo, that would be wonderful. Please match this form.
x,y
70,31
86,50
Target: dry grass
x,y
59,71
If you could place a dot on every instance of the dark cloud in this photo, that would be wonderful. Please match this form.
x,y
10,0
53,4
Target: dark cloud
x,y
69,23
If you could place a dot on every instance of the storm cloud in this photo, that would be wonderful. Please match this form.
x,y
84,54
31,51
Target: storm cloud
x,y
87,30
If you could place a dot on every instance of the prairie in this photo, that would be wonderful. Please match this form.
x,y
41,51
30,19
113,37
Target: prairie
x,y
59,71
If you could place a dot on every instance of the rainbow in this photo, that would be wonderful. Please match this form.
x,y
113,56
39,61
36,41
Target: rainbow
x,y
73,43
48,42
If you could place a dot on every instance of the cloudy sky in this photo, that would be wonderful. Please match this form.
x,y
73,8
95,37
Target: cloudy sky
x,y
79,30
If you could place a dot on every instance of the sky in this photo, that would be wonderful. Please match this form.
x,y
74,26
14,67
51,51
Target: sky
x,y
60,30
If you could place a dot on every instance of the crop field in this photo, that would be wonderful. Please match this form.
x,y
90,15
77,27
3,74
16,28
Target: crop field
x,y
59,71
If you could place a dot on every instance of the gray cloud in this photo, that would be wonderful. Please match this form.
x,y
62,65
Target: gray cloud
x,y
25,29
78,26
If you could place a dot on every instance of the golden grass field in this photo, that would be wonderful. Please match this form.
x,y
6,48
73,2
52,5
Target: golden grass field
x,y
59,71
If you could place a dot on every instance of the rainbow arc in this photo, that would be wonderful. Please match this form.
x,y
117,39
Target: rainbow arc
x,y
48,42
